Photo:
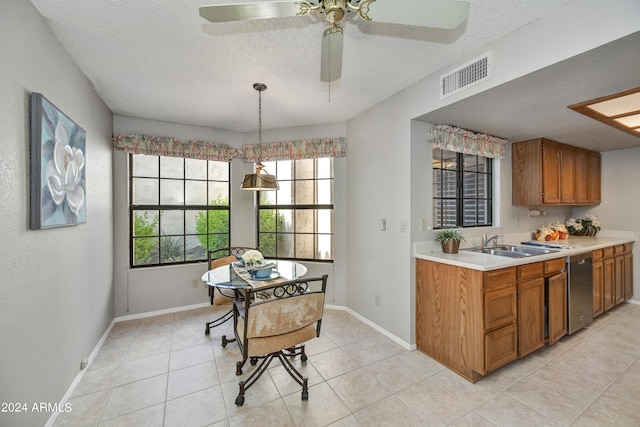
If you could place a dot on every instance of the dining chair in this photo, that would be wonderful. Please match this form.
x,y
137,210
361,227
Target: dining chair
x,y
273,322
218,296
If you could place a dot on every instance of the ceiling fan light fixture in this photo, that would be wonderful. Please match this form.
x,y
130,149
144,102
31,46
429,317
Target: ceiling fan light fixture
x,y
261,180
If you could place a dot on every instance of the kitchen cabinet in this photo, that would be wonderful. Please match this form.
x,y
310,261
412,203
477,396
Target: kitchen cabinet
x,y
546,172
465,318
598,285
612,277
474,322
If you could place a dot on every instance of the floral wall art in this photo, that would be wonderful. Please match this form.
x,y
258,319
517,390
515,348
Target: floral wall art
x,y
58,167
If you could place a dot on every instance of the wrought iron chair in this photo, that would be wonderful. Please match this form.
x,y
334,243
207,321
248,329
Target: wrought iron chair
x,y
218,296
273,322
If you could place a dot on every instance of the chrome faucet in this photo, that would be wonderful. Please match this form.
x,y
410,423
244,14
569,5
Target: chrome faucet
x,y
486,240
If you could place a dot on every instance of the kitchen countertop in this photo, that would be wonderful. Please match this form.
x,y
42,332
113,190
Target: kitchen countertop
x,y
477,261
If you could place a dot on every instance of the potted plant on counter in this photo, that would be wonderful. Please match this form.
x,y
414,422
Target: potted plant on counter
x,y
450,240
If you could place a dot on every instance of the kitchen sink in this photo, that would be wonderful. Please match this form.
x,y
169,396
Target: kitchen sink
x,y
511,251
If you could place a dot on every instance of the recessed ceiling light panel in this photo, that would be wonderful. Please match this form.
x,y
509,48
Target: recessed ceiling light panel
x,y
620,110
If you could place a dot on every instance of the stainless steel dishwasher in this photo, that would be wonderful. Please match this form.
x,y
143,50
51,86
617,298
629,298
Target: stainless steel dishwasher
x,y
580,297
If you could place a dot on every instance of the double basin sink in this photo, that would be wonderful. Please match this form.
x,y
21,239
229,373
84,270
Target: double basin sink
x,y
510,251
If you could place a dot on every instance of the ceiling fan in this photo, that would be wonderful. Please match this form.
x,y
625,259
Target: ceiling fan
x,y
447,14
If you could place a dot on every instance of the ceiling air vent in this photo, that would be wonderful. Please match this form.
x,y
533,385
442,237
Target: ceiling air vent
x,y
465,76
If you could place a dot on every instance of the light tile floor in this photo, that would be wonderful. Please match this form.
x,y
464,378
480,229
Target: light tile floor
x,y
163,371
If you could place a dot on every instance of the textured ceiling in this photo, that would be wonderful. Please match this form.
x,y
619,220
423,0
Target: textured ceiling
x,y
160,60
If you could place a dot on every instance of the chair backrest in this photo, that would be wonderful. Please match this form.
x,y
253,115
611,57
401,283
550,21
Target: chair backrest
x,y
224,256
291,306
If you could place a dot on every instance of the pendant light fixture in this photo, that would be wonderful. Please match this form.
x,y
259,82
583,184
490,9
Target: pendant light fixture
x,y
261,180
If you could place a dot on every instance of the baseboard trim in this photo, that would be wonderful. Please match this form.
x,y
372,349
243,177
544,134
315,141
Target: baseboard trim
x,y
368,322
160,312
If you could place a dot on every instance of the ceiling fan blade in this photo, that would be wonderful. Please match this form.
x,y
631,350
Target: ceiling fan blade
x,y
447,14
247,11
331,59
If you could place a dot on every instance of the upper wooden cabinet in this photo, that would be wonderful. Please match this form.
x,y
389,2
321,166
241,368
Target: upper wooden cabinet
x,y
546,172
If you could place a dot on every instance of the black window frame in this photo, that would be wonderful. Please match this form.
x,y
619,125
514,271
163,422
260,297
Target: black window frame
x,y
272,167
133,208
484,204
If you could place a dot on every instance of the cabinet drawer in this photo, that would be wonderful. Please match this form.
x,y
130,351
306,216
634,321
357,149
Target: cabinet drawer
x,y
596,255
530,270
499,308
500,347
618,249
607,252
628,247
554,265
496,277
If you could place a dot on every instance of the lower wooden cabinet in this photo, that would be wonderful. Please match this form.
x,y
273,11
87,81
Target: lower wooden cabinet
x,y
612,277
557,307
501,347
530,316
598,283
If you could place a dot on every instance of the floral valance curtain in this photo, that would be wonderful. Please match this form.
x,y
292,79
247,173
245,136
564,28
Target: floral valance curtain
x,y
172,147
287,150
292,150
463,141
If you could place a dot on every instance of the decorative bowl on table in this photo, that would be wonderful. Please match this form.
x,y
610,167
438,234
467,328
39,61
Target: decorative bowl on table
x,y
262,273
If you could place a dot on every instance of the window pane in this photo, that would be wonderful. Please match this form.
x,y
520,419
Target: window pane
x,y
195,250
218,241
469,185
145,223
305,247
218,171
267,220
196,222
483,186
449,213
219,193
219,221
284,244
267,244
145,251
325,247
145,165
195,169
145,191
269,197
449,183
284,196
285,220
171,249
325,221
305,168
284,169
171,192
304,193
171,167
437,183
470,162
325,192
304,221
171,222
325,168
470,212
195,193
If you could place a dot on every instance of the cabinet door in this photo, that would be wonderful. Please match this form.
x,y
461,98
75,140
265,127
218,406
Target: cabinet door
x,y
598,291
628,275
500,347
567,174
593,183
530,316
557,307
608,279
551,172
582,176
619,279
499,308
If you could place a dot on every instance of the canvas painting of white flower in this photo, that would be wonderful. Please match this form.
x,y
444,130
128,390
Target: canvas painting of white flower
x,y
58,167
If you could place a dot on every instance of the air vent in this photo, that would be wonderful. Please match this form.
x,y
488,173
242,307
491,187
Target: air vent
x,y
465,76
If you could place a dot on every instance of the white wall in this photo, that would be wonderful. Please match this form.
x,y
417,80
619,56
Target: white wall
x,y
144,290
56,295
620,200
383,143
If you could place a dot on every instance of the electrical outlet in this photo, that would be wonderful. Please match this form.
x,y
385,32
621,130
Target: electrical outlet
x,y
423,224
403,226
84,363
194,284
517,222
377,299
382,225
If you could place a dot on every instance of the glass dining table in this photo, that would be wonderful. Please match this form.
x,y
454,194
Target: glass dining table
x,y
234,281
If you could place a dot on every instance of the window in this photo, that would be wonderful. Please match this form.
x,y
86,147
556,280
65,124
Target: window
x,y
461,190
179,209
296,222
